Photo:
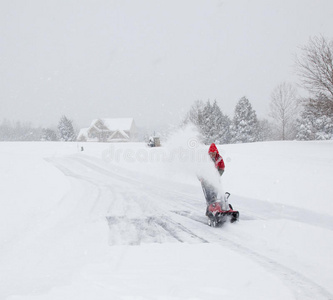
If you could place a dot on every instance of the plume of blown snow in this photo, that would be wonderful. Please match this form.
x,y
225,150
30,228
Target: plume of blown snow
x,y
189,156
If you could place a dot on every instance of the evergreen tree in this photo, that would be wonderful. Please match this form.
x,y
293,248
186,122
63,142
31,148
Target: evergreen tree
x,y
65,130
208,123
211,122
316,121
220,130
305,130
245,126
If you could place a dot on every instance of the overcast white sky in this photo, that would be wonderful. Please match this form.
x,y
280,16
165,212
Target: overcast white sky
x,y
148,59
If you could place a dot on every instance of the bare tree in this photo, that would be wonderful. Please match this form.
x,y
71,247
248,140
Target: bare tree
x,y
284,109
315,67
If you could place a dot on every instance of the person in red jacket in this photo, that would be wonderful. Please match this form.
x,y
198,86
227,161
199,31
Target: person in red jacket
x,y
217,158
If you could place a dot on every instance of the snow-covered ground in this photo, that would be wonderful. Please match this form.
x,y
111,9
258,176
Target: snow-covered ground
x,y
124,221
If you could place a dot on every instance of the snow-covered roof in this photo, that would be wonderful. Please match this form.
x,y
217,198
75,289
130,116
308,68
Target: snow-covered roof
x,y
121,124
121,132
83,131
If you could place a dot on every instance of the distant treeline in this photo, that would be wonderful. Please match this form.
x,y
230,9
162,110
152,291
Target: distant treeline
x,y
17,131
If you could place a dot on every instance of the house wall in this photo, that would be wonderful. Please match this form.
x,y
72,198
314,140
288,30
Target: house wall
x,y
133,132
82,138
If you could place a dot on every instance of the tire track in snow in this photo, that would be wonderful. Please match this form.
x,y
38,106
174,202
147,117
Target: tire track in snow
x,y
68,172
182,198
302,287
152,229
132,229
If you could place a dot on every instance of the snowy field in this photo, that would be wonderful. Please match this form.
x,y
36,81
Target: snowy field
x,y
124,221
